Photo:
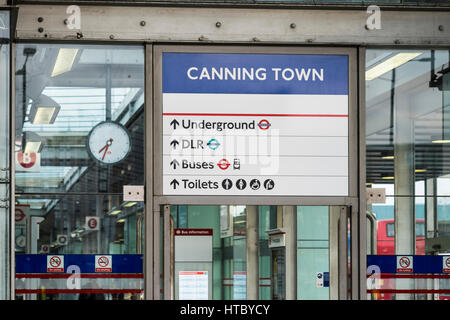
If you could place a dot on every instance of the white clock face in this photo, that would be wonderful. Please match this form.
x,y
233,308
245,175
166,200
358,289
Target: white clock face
x,y
109,142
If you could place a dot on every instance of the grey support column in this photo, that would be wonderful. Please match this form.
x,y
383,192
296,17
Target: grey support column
x,y
334,212
404,183
289,226
252,253
430,208
430,221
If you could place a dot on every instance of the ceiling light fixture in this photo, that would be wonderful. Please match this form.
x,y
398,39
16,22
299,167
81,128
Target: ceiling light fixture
x,y
44,110
390,64
442,141
31,142
129,204
64,61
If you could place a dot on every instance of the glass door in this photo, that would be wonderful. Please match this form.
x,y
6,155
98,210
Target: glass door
x,y
299,252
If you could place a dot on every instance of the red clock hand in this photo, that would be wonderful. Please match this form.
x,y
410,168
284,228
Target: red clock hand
x,y
106,147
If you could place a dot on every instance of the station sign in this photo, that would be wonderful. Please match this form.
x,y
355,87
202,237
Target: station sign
x,y
255,124
28,162
92,223
61,239
21,214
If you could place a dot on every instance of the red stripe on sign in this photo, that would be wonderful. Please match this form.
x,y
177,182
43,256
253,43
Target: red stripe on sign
x,y
50,291
256,115
409,276
399,291
80,275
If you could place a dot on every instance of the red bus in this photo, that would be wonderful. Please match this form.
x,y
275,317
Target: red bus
x,y
386,234
386,246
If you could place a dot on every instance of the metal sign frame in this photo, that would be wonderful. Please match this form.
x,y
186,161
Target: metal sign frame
x,y
353,165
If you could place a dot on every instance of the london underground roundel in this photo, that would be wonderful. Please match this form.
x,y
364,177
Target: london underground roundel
x,y
109,142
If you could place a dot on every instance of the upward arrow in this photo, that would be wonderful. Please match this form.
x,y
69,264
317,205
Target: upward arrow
x,y
174,123
174,183
174,163
174,143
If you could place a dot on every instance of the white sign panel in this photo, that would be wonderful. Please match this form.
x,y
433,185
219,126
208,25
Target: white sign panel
x,y
103,263
193,285
446,264
92,223
55,263
193,245
61,239
405,264
21,213
28,162
45,248
255,124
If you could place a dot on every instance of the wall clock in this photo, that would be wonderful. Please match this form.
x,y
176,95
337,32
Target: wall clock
x,y
109,142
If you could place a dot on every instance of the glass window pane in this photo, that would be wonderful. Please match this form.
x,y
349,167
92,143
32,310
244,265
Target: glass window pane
x,y
69,91
100,235
408,135
79,138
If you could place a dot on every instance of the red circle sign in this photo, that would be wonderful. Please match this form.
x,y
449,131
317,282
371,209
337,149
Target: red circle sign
x,y
264,124
19,215
404,262
103,261
447,262
92,223
55,261
26,160
223,164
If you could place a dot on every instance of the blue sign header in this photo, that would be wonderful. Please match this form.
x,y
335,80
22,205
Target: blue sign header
x,y
37,263
421,264
255,73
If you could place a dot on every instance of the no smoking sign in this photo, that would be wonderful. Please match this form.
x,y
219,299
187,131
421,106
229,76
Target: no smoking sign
x,y
446,264
55,263
405,264
103,263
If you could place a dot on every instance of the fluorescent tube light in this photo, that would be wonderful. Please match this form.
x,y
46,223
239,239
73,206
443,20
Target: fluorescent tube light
x,y
44,115
31,142
64,61
420,170
129,204
120,220
390,64
32,147
115,212
44,110
387,178
387,157
440,141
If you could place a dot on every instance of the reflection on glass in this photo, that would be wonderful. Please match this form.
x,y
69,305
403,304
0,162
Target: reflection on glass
x,y
66,193
62,93
407,130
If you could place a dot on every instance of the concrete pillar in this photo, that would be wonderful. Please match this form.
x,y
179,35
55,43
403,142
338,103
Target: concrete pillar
x,y
430,219
252,253
430,208
404,183
290,227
